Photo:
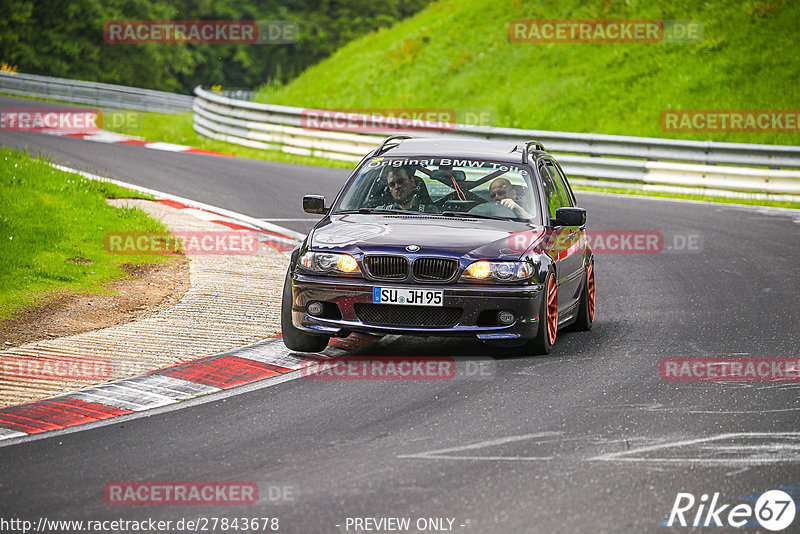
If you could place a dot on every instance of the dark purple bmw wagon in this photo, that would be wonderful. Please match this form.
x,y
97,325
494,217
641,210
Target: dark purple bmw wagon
x,y
444,237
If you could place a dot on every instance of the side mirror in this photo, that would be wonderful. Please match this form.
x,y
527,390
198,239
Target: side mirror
x,y
314,204
570,217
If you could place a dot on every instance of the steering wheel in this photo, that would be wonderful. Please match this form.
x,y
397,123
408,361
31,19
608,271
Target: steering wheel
x,y
493,208
452,195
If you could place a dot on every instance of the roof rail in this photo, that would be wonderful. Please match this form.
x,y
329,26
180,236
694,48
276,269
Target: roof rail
x,y
536,145
383,145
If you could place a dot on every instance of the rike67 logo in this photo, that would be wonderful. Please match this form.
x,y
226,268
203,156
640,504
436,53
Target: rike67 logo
x,y
774,510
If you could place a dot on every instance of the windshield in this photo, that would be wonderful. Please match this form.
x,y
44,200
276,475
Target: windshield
x,y
450,186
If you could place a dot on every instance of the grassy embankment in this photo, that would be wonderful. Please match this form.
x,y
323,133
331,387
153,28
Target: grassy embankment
x,y
456,54
52,225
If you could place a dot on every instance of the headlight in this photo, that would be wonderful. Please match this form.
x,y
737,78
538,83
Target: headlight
x,y
498,271
329,262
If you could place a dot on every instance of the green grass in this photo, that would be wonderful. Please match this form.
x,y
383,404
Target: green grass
x,y
39,98
49,218
704,198
456,54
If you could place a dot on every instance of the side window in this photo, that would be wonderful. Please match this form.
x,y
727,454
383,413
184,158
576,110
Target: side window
x,y
550,191
566,200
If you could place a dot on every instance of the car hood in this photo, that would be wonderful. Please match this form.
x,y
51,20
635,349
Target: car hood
x,y
479,238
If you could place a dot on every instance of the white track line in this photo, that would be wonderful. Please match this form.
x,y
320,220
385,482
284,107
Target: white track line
x,y
257,223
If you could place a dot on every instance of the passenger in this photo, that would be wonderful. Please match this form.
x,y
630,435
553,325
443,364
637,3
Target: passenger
x,y
407,192
502,191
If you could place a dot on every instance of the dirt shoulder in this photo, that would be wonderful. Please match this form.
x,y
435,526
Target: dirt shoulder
x,y
151,288
153,321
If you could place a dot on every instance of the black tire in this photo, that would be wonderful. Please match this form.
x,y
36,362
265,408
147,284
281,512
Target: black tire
x,y
294,338
543,342
586,307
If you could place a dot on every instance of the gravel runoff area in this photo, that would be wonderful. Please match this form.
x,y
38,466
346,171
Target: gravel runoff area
x,y
233,300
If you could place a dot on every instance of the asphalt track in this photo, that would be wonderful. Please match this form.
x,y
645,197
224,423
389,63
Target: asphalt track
x,y
587,439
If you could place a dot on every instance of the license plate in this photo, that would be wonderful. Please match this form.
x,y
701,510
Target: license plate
x,y
410,297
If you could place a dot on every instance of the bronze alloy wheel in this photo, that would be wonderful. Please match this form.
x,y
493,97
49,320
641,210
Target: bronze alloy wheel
x,y
552,309
590,290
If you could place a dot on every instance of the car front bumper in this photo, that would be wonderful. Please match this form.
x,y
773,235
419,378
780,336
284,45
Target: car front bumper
x,y
523,301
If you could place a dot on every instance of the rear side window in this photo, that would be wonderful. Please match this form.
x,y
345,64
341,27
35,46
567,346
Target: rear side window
x,y
566,199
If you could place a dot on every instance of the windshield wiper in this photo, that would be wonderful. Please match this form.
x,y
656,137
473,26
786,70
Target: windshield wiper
x,y
376,210
475,215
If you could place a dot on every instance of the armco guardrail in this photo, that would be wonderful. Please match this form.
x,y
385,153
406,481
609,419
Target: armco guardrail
x,y
93,93
611,157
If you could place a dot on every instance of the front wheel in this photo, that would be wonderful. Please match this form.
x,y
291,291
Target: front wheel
x,y
294,338
548,318
586,307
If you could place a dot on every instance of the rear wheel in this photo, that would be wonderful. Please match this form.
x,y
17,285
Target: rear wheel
x,y
548,318
586,307
293,337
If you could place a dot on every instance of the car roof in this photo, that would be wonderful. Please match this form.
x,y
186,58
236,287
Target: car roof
x,y
467,148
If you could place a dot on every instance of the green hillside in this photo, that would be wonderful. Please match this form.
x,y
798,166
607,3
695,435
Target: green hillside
x,y
456,54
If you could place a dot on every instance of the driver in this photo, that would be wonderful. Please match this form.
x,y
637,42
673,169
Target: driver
x,y
405,192
502,191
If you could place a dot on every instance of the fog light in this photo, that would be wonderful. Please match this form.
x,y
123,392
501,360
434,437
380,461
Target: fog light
x,y
505,317
314,307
